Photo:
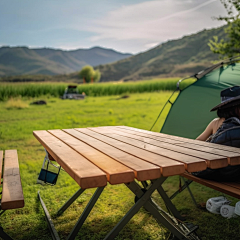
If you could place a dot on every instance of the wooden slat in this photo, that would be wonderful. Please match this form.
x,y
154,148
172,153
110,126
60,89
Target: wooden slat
x,y
12,193
168,166
233,184
186,140
146,134
116,172
219,186
1,162
143,170
233,157
177,152
192,164
85,173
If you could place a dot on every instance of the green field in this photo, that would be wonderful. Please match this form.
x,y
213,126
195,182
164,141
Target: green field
x,y
13,90
19,118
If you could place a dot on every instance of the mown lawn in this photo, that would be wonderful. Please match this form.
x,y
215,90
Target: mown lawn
x,y
18,118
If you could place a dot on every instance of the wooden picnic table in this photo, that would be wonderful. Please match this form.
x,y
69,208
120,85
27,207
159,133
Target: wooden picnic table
x,y
119,154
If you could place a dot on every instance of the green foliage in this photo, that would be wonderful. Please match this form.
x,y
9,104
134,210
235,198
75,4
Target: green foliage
x,y
12,90
88,74
97,76
230,46
108,89
16,103
8,90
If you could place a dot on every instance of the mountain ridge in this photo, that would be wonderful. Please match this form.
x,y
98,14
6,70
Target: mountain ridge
x,y
48,61
174,58
177,57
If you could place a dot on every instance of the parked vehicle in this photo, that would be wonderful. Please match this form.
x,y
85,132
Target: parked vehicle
x,y
71,92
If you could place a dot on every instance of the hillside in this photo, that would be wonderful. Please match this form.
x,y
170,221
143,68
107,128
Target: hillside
x,y
46,61
180,57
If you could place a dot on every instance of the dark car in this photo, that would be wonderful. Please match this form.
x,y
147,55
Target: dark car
x,y
71,92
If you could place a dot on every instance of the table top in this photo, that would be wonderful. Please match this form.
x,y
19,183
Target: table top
x,y
120,154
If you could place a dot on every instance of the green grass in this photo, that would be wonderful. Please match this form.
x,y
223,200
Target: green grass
x,y
16,103
139,110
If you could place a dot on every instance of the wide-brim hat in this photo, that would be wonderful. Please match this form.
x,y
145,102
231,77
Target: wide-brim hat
x,y
229,97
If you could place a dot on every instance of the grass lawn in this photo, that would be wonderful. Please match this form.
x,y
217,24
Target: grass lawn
x,y
18,118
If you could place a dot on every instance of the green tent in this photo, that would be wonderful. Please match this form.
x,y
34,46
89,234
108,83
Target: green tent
x,y
190,113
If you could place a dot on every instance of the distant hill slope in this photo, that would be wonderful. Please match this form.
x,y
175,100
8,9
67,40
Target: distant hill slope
x,y
180,57
46,61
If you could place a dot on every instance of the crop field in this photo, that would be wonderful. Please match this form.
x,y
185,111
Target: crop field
x,y
8,90
18,119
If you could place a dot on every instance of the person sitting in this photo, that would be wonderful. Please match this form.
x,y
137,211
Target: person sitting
x,y
224,130
211,129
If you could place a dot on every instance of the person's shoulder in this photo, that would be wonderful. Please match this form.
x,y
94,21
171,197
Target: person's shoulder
x,y
218,121
215,124
215,121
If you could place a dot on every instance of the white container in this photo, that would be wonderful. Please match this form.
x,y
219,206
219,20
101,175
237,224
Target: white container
x,y
227,211
213,205
237,208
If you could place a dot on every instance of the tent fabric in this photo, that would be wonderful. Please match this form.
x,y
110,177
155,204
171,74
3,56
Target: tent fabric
x,y
190,113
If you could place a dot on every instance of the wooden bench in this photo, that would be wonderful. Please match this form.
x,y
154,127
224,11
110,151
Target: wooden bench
x,y
12,193
229,188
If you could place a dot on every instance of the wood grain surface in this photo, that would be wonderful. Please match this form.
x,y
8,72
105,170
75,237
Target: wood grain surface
x,y
12,193
85,173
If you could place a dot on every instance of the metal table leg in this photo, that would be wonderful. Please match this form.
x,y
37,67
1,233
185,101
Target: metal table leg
x,y
4,235
186,185
49,220
85,213
161,216
169,203
82,218
189,190
70,201
143,195
143,199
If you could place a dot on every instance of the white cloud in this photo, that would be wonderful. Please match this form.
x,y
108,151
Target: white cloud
x,y
126,25
156,21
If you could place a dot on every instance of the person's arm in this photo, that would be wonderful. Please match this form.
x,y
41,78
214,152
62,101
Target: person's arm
x,y
207,132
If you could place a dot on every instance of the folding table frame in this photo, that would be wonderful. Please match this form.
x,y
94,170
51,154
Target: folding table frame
x,y
173,221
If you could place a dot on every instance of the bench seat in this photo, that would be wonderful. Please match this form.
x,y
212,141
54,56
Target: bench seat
x,y
12,193
229,188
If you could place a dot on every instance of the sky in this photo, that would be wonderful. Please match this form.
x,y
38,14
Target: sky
x,y
128,26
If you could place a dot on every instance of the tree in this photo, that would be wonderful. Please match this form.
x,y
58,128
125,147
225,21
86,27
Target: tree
x,y
88,74
230,46
97,76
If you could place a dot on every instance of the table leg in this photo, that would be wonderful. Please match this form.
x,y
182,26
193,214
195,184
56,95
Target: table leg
x,y
190,192
166,199
49,220
169,203
171,223
82,218
85,213
143,198
160,215
70,201
4,235
186,185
